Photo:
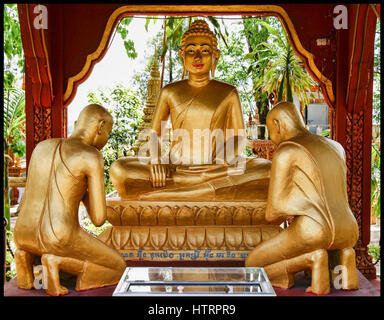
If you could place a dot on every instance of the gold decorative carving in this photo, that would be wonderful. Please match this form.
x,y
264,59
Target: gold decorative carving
x,y
181,238
172,213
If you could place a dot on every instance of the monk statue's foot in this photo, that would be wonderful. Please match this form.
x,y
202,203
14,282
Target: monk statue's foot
x,y
51,277
57,291
278,276
24,269
91,277
320,273
343,269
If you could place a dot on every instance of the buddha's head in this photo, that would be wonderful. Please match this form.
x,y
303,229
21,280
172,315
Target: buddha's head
x,y
199,53
284,121
95,124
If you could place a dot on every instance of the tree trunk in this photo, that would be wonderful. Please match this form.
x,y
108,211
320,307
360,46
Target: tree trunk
x,y
262,105
170,62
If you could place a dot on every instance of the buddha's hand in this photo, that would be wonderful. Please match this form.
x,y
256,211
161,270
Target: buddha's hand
x,y
159,173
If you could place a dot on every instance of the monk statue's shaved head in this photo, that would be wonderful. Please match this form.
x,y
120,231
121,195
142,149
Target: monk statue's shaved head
x,y
93,113
284,121
288,112
93,126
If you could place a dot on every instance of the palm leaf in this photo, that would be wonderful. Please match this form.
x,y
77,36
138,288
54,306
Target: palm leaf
x,y
14,115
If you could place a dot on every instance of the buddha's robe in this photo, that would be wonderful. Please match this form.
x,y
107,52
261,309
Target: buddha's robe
x,y
308,178
212,111
215,106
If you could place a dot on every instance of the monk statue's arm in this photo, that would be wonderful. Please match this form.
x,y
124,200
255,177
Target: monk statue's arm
x,y
235,121
158,171
281,184
94,199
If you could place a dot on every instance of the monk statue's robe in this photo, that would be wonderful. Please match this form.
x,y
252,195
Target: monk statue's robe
x,y
211,169
308,182
47,224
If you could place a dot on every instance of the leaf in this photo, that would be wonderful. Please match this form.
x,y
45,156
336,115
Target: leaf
x,y
130,49
281,89
266,25
147,23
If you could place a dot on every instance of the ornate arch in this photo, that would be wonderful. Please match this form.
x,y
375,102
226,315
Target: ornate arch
x,y
203,10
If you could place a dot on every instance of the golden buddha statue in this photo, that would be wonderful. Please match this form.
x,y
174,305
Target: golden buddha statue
x,y
63,172
308,183
200,108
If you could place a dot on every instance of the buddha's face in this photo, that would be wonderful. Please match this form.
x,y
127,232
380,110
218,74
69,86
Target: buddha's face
x,y
198,55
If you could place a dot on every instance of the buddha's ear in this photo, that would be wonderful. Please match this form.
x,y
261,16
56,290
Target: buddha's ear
x,y
217,55
100,126
181,54
75,124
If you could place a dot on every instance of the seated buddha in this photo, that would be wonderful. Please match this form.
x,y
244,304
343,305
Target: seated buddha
x,y
200,108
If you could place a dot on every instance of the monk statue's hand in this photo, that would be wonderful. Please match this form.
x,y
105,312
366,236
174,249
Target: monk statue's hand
x,y
159,173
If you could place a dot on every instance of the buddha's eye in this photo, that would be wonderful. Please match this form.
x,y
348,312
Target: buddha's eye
x,y
191,51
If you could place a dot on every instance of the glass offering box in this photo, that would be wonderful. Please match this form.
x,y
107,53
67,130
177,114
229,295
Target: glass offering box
x,y
168,281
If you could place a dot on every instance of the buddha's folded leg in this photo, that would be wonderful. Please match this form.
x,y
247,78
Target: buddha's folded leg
x,y
203,191
130,176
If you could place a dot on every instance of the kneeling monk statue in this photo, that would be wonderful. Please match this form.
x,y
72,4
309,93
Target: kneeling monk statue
x,y
308,182
63,172
199,107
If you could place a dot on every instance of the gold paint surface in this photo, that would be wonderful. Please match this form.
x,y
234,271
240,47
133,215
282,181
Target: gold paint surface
x,y
308,184
63,172
196,104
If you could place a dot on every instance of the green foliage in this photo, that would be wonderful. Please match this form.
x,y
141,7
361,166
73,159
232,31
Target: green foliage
x,y
14,128
374,252
231,68
10,267
326,133
283,75
126,109
129,45
91,228
375,177
14,120
13,49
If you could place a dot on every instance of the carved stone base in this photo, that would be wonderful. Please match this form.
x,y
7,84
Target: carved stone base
x,y
177,231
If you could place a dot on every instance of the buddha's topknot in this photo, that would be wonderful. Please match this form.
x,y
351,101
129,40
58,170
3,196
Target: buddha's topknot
x,y
199,28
